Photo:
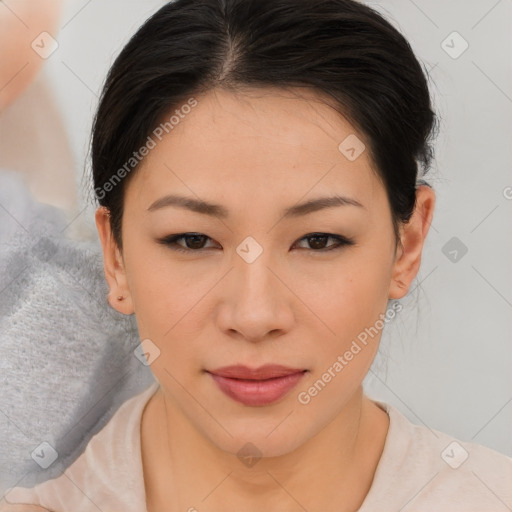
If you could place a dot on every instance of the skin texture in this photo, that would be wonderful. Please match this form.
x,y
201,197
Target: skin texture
x,y
258,153
21,21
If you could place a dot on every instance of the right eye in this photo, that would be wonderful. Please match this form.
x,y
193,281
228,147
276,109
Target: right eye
x,y
194,242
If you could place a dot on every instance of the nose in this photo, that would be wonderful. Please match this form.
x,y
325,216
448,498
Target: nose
x,y
256,304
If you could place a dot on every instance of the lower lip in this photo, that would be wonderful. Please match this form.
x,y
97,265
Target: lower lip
x,y
257,392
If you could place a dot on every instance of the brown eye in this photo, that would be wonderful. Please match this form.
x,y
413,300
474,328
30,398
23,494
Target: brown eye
x,y
193,242
318,241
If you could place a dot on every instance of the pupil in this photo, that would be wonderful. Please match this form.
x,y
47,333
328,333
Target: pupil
x,y
314,245
194,238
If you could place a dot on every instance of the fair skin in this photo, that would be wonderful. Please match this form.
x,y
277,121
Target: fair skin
x,y
256,154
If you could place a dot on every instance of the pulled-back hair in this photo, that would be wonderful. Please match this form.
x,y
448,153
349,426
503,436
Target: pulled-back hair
x,y
342,49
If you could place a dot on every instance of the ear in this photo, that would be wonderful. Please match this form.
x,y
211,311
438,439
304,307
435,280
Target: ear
x,y
113,265
412,237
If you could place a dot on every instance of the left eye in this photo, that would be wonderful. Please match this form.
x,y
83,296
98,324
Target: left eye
x,y
194,242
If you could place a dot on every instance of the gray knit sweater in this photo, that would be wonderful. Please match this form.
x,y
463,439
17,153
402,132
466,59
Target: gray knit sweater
x,y
66,357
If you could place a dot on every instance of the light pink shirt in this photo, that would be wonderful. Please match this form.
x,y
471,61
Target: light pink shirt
x,y
421,470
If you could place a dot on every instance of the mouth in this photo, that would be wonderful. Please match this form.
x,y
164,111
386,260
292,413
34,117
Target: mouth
x,y
257,387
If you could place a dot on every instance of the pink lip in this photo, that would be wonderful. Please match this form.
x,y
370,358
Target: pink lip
x,y
260,386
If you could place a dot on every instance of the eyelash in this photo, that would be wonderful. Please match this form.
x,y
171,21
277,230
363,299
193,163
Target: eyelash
x,y
171,240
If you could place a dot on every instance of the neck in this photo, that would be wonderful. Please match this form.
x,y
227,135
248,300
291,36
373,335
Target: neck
x,y
333,469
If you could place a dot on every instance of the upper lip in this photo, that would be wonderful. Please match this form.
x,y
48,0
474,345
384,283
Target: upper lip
x,y
267,371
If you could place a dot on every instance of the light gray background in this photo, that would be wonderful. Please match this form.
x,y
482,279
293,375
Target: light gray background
x,y
446,359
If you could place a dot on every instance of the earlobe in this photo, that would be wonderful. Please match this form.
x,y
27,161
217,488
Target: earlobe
x,y
413,235
119,296
121,303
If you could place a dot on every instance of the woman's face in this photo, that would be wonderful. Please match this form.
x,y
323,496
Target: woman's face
x,y
251,289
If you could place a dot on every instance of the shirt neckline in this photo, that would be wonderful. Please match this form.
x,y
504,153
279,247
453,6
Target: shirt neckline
x,y
147,394
387,466
393,453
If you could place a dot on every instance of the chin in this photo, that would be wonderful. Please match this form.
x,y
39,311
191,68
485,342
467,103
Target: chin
x,y
249,449
269,437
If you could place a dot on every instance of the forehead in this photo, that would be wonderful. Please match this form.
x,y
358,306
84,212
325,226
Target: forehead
x,y
256,143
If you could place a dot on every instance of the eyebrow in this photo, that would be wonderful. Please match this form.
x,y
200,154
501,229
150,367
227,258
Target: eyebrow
x,y
219,211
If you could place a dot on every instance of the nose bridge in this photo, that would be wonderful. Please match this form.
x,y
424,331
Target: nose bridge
x,y
257,305
255,282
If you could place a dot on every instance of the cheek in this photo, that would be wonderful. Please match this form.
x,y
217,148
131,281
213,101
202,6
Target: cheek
x,y
347,294
166,310
169,295
353,307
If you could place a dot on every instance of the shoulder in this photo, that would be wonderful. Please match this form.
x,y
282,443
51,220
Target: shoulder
x,y
6,507
108,472
473,474
425,468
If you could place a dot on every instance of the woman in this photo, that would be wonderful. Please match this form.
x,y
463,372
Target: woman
x,y
256,165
